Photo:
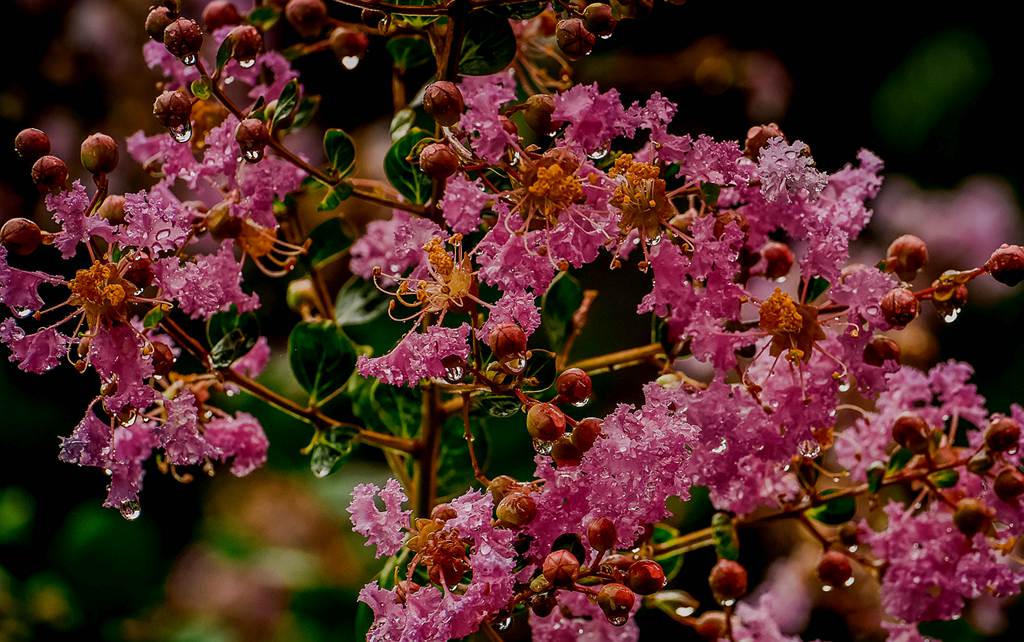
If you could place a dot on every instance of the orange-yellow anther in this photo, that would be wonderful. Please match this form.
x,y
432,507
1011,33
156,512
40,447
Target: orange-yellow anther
x,y
779,314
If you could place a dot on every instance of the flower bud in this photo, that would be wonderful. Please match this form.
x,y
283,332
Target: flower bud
x,y
565,453
443,512
573,38
778,259
32,143
220,13
1006,264
246,44
516,509
646,577
574,386
981,462
307,17
50,174
881,349
112,209
252,137
157,21
173,109
99,154
560,567
543,605
711,626
500,486
1009,484
586,432
849,535
537,113
619,562
346,43
906,256
616,600
540,584
437,160
1002,435
728,581
162,358
443,101
758,136
545,422
911,432
834,569
300,294
140,272
899,306
372,18
507,341
971,516
21,236
601,534
598,19
183,38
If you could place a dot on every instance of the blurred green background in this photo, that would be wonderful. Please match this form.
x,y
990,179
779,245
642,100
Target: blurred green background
x,y
271,557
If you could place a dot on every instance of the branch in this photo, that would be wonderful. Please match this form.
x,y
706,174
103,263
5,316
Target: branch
x,y
620,359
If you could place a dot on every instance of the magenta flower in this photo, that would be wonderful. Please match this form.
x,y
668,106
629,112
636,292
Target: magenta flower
x,y
419,355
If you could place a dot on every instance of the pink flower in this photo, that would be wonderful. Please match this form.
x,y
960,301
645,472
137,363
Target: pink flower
x,y
754,622
579,619
116,353
484,96
70,209
129,448
593,117
208,284
19,289
516,307
417,356
180,436
88,443
381,528
156,220
36,352
463,202
239,438
252,363
394,245
787,170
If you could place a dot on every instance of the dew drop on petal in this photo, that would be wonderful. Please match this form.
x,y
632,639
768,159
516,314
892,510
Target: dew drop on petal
x,y
541,446
130,510
247,63
189,60
182,133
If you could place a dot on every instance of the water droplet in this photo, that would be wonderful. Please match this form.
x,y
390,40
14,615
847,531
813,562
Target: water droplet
x,y
350,62
541,446
231,391
728,603
844,386
229,80
852,548
826,588
951,317
22,313
809,448
189,59
848,583
656,240
721,447
247,63
322,461
515,364
253,155
619,620
581,402
182,133
504,623
454,374
598,154
130,510
605,36
684,611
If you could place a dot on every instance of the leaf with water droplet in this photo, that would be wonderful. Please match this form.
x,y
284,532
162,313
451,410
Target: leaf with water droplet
x,y
835,511
402,174
359,302
231,335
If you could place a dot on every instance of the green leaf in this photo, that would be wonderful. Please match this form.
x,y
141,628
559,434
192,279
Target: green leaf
x,y
455,469
231,335
945,478
723,533
710,193
340,151
570,542
409,52
673,564
520,10
835,511
418,22
201,87
402,122
329,240
335,196
898,460
875,475
286,103
500,405
359,302
406,177
559,303
264,17
816,287
224,52
153,317
321,356
385,408
308,107
489,45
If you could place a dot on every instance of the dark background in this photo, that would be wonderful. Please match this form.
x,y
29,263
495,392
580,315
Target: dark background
x,y
933,91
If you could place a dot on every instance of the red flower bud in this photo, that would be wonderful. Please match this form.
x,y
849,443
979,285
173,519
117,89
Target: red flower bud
x,y
758,136
881,349
537,113
140,272
565,453
308,17
50,174
911,432
162,358
616,600
778,259
574,386
443,101
99,154
1002,434
728,581
501,486
906,256
899,306
1009,484
545,422
32,143
601,534
586,433
1006,264
834,569
346,43
507,341
21,236
560,567
157,21
646,577
543,605
437,160
252,137
443,512
971,516
112,209
573,38
246,44
220,13
711,626
183,38
516,510
173,109
598,19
